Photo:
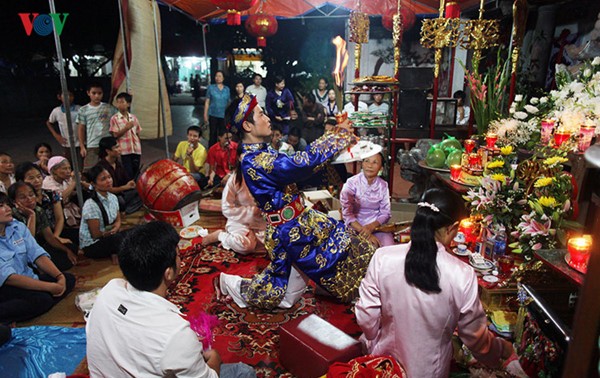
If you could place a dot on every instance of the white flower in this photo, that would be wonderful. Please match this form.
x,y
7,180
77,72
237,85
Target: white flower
x,y
543,100
531,109
587,72
520,115
511,110
596,61
518,98
534,100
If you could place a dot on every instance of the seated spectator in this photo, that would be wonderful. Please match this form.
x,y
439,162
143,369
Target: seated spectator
x,y
294,139
123,186
133,330
99,234
7,171
331,108
61,181
295,121
245,224
221,159
415,296
378,106
313,118
26,211
43,153
349,107
24,294
279,144
50,202
463,112
192,154
365,200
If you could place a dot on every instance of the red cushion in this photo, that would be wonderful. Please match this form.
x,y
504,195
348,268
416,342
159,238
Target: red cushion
x,y
309,344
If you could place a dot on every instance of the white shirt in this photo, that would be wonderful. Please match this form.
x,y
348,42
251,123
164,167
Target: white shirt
x,y
382,108
260,92
349,107
57,115
133,333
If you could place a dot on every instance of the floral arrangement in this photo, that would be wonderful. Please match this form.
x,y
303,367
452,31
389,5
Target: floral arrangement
x,y
576,102
536,210
544,224
501,198
488,92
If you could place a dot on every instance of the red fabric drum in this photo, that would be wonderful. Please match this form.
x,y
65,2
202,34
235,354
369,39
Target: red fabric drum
x,y
167,186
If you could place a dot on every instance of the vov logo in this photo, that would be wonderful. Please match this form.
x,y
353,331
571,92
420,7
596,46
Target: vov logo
x,y
42,23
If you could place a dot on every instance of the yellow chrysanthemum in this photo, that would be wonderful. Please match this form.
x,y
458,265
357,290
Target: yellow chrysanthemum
x,y
555,160
544,181
547,201
498,177
506,150
495,164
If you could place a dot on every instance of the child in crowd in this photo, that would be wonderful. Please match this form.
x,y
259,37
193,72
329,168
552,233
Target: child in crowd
x,y
415,296
192,155
7,171
62,182
126,128
221,158
123,187
58,116
279,144
99,234
245,225
43,153
378,106
294,139
331,108
365,202
49,201
463,112
26,210
24,294
93,122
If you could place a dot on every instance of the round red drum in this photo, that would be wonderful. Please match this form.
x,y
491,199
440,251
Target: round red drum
x,y
167,186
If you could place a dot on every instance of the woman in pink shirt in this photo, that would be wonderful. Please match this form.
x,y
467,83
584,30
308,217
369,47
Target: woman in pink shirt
x,y
414,296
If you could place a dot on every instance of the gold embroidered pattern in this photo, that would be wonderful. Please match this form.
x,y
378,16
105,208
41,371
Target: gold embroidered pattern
x,y
305,251
301,158
265,160
253,175
322,261
259,292
294,234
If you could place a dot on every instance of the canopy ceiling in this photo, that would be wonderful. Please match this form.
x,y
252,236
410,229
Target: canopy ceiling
x,y
205,10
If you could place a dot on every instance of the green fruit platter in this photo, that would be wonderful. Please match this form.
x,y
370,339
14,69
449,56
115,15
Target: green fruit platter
x,y
442,155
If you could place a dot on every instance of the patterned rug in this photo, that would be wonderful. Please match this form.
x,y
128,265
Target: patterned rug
x,y
247,335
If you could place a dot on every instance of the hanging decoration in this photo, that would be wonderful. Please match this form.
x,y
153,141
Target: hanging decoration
x,y
452,9
518,32
261,26
480,34
438,33
408,18
234,9
359,33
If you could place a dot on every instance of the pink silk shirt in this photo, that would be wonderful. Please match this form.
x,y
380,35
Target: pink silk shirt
x,y
416,327
365,203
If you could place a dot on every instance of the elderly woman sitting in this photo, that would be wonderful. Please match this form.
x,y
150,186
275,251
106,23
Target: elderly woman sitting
x,y
61,180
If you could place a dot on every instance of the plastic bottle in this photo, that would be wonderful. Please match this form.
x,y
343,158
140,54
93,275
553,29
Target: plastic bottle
x,y
500,243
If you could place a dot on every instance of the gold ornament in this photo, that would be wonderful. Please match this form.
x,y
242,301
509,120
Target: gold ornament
x,y
359,27
480,34
397,38
437,33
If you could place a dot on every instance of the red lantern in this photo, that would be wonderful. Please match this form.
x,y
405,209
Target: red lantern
x,y
261,25
408,18
234,9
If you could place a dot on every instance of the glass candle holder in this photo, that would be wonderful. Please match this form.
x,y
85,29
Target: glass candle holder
x,y
579,250
473,160
490,140
547,128
455,171
586,133
467,227
560,137
469,145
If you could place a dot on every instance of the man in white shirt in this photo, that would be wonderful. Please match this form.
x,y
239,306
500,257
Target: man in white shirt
x,y
133,330
258,90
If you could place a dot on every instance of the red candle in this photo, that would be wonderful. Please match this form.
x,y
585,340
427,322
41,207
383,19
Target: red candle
x,y
469,145
455,170
586,133
560,137
467,226
473,159
579,251
547,127
490,140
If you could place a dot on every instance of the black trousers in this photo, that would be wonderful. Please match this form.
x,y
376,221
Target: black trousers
x,y
131,163
59,257
104,247
214,124
17,305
